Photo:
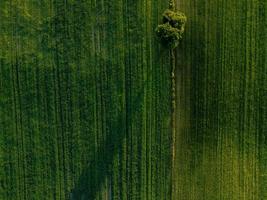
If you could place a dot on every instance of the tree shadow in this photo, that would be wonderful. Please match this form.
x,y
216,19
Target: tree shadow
x,y
93,177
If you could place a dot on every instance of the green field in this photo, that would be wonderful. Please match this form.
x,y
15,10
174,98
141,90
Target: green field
x,y
222,107
85,101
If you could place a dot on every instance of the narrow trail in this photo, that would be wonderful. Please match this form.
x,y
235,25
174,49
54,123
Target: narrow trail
x,y
173,120
173,102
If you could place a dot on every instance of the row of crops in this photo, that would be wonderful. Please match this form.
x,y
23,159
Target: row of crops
x,y
221,150
85,101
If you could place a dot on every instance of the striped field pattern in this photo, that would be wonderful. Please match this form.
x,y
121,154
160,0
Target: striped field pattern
x,y
85,101
221,142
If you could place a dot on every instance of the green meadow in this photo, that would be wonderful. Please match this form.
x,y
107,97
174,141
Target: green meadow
x,y
86,101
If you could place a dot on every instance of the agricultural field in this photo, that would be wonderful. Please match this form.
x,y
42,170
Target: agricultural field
x,y
221,150
86,101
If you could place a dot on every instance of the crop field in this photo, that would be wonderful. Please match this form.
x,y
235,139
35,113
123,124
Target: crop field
x,y
85,101
221,150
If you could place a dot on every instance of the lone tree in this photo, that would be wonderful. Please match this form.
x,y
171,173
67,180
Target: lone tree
x,y
170,33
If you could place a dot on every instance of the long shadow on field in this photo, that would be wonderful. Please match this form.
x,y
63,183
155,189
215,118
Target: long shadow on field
x,y
94,176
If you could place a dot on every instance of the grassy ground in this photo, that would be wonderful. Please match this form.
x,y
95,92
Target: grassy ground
x,y
221,150
85,101
84,104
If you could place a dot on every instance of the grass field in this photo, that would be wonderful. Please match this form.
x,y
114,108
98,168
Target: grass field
x,y
221,150
85,101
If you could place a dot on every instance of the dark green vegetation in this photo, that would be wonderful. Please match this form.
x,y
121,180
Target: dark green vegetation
x,y
221,141
84,109
85,101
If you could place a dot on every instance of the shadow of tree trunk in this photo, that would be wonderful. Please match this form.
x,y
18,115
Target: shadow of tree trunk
x,y
99,168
